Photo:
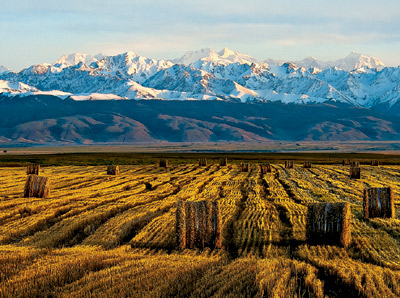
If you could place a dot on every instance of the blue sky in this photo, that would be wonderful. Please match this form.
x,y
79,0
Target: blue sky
x,y
38,31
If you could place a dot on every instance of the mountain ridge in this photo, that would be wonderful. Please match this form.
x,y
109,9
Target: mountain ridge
x,y
208,75
55,121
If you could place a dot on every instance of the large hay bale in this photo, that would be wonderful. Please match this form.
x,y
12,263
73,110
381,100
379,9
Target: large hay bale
x,y
112,170
198,224
203,162
307,164
375,163
164,163
266,168
244,167
33,169
355,172
223,162
37,186
288,164
379,202
329,223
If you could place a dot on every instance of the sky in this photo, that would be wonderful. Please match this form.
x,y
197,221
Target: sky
x,y
39,31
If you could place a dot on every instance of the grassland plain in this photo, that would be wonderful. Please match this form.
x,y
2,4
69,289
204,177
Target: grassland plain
x,y
114,236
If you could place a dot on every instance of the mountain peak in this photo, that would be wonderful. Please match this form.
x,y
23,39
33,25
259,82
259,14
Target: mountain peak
x,y
356,60
193,56
226,52
76,58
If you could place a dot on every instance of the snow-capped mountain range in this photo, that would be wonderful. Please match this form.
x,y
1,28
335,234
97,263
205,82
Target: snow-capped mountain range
x,y
207,74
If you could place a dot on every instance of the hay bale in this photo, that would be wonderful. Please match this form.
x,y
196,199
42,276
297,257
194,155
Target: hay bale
x,y
329,223
223,162
379,202
244,167
355,172
33,169
198,224
203,162
266,168
307,164
375,163
164,163
112,170
37,186
288,164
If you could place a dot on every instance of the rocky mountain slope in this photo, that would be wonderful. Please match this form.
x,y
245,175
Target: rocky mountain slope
x,y
357,79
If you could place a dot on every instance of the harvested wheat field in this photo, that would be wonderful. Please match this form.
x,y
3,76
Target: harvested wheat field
x,y
99,235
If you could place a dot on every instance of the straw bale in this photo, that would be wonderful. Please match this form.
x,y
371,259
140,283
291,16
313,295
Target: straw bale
x,y
37,186
329,223
203,162
164,163
112,170
355,172
307,164
288,164
266,168
33,169
244,167
375,163
198,225
379,202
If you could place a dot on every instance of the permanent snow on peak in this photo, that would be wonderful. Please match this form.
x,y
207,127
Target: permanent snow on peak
x,y
311,62
15,87
193,56
75,58
129,65
224,57
355,61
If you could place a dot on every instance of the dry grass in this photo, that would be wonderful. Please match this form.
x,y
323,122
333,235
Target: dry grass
x,y
103,236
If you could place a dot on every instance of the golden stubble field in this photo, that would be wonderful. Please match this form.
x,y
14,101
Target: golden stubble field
x,y
111,236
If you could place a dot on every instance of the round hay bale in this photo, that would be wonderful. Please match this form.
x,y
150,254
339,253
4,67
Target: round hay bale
x,y
33,169
113,170
198,224
266,168
203,162
163,163
329,223
288,164
379,202
355,172
37,186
